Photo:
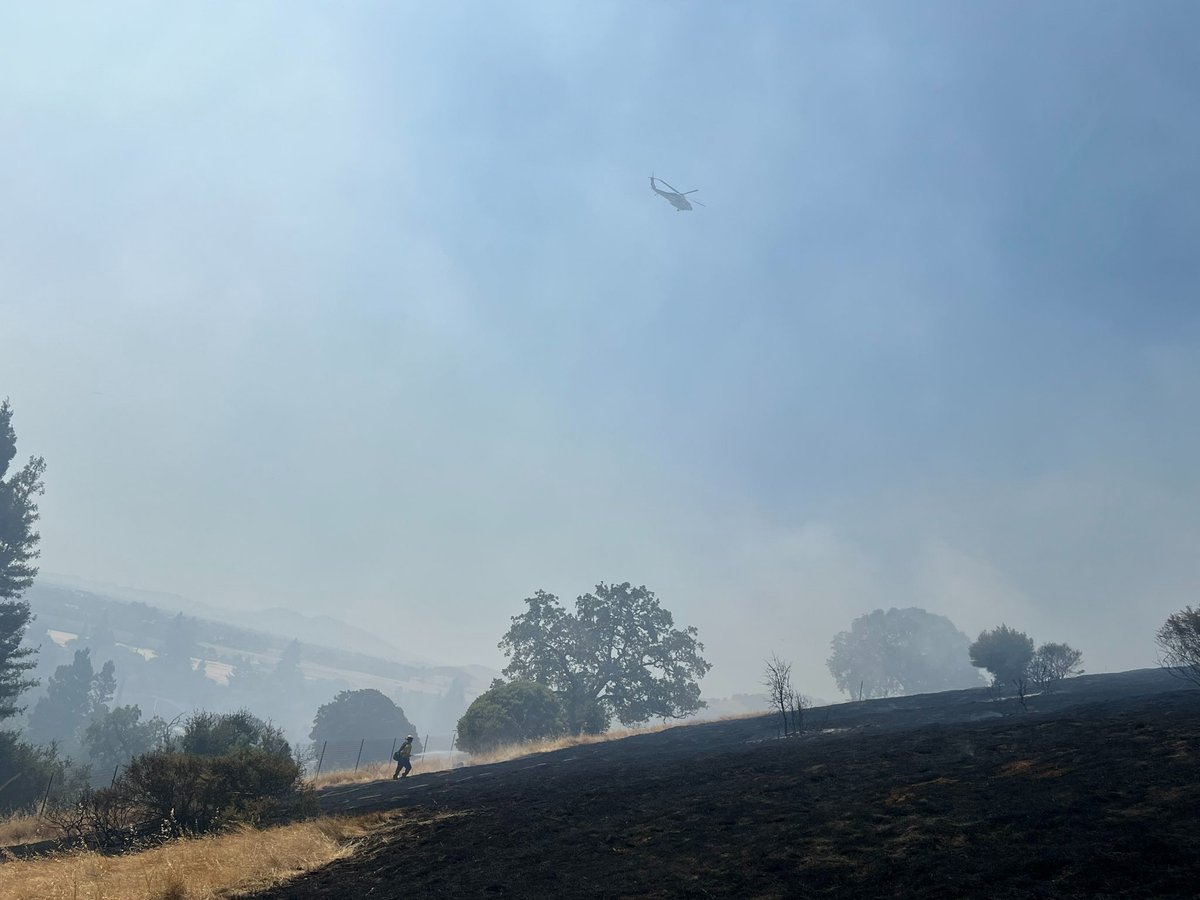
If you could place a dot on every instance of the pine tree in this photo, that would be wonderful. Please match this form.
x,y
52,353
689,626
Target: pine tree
x,y
287,671
76,694
18,550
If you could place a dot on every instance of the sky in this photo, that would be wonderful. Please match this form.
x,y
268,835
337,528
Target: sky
x,y
367,309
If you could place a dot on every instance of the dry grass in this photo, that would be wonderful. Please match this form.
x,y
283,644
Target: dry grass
x,y
369,772
23,828
441,762
205,868
433,762
516,751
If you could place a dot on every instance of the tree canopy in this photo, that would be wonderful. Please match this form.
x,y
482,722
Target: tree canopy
x,y
118,735
1005,652
901,651
364,713
75,694
618,654
18,550
511,713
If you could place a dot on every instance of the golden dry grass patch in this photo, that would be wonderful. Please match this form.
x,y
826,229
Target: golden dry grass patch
x,y
203,868
1018,767
517,751
22,828
435,762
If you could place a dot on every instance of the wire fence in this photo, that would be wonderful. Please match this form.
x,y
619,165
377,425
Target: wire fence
x,y
349,754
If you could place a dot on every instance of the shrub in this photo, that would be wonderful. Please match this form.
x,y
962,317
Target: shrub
x,y
217,734
1179,643
511,713
107,817
26,772
197,793
222,768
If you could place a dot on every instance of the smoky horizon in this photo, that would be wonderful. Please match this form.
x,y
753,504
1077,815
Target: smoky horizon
x,y
370,313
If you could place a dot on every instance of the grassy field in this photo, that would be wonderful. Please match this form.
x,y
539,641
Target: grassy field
x,y
205,868
231,864
24,828
440,762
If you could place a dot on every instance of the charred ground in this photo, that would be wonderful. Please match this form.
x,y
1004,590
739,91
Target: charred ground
x,y
1095,791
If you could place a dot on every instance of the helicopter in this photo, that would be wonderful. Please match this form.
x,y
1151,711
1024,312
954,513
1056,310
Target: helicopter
x,y
676,198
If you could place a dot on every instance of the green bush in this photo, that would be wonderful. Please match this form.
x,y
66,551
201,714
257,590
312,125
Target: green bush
x,y
189,793
217,734
24,773
27,771
222,768
511,713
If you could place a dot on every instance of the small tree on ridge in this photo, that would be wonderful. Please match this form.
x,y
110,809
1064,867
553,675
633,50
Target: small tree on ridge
x,y
1179,643
1005,653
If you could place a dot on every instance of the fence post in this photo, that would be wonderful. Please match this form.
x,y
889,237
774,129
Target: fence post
x,y
322,759
357,761
47,796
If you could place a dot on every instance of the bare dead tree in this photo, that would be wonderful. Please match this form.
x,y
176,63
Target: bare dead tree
x,y
777,678
1022,687
1052,663
798,704
101,818
1179,644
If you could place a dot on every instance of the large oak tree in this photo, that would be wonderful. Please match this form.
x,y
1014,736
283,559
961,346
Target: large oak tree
x,y
617,655
901,651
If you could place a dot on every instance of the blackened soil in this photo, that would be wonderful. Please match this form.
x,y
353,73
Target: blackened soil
x,y
1100,798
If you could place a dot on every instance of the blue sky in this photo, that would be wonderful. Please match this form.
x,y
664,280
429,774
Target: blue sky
x,y
369,310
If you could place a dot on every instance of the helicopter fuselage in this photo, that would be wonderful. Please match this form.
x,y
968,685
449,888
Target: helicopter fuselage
x,y
678,201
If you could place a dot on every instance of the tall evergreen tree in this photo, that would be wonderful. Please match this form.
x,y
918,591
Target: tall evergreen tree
x,y
76,694
287,674
18,550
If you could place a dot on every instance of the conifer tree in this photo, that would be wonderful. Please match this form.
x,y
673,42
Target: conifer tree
x,y
18,550
76,694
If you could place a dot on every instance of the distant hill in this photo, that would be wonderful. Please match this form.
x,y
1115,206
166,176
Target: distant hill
x,y
323,630
232,663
